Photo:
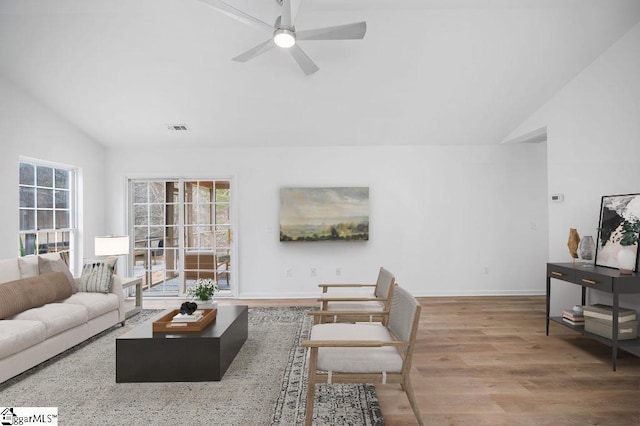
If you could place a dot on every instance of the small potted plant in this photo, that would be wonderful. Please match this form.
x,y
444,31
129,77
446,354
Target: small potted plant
x,y
203,290
628,237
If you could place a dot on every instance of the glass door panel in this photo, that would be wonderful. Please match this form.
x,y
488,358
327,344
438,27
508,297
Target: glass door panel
x,y
182,232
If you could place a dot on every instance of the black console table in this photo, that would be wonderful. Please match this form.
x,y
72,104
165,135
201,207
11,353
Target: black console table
x,y
603,279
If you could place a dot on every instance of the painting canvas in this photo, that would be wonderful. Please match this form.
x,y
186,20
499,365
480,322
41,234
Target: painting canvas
x,y
324,214
615,211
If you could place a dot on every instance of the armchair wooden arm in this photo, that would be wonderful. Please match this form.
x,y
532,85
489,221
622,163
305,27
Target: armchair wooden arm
x,y
326,287
337,298
351,316
362,313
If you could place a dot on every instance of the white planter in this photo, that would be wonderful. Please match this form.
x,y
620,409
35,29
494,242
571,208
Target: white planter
x,y
626,260
209,304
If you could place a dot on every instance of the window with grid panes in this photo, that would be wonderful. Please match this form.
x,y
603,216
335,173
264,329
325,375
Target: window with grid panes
x,y
47,208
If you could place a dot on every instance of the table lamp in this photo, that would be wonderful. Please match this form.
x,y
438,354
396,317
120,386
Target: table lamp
x,y
112,245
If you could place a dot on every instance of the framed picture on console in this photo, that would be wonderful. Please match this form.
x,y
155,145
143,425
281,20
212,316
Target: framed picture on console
x,y
618,231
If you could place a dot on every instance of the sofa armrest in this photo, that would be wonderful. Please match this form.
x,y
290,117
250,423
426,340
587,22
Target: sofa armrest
x,y
116,288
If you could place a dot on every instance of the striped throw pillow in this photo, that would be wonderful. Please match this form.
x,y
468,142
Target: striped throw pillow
x,y
97,276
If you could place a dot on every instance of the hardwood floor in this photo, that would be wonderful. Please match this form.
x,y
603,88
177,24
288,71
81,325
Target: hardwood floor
x,y
487,361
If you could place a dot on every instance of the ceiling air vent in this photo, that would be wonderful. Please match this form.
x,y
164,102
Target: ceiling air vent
x,y
178,127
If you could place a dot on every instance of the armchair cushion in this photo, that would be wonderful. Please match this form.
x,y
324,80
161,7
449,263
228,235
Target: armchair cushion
x,y
356,360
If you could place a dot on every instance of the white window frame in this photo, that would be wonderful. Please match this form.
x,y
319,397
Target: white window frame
x,y
72,229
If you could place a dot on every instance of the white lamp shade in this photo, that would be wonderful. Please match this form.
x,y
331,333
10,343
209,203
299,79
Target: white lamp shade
x,y
112,245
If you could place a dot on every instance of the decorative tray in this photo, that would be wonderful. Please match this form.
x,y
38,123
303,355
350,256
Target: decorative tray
x,y
165,323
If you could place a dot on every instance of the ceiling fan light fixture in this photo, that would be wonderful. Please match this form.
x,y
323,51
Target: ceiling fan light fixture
x,y
284,38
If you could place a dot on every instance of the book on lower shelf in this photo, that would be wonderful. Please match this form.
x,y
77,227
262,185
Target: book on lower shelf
x,y
572,317
572,322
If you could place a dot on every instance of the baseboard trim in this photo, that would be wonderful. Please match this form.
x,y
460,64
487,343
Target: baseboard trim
x,y
315,295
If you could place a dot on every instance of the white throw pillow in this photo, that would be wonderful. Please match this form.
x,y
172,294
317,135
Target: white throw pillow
x,y
28,266
9,270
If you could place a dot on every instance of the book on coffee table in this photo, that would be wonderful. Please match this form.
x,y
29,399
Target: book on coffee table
x,y
196,316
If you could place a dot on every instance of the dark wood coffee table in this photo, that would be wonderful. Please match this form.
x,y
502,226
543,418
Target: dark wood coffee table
x,y
145,356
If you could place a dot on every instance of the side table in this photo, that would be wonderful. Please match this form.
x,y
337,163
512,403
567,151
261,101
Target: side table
x,y
130,282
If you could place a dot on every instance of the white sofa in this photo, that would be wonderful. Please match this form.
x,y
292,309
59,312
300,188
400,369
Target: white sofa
x,y
66,318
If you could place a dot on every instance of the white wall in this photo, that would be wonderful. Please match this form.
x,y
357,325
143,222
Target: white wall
x,y
439,216
593,149
29,129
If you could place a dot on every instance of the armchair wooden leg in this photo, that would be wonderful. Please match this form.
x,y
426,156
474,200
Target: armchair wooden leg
x,y
311,386
412,399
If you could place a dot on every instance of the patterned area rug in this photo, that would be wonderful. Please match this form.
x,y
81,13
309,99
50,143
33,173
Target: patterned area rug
x,y
265,384
336,404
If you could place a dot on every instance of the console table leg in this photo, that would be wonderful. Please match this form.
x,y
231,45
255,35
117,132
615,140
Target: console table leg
x,y
614,332
548,301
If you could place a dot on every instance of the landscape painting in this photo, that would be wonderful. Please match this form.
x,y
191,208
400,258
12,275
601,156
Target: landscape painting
x,y
324,214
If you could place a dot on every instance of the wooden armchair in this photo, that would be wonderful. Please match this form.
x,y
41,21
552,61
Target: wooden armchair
x,y
365,353
357,305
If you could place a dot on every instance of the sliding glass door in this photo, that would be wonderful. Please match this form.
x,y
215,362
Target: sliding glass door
x,y
182,232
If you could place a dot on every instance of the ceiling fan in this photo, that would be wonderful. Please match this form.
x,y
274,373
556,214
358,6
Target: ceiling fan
x,y
285,36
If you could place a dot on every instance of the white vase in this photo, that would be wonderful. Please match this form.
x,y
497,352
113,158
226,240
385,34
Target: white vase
x,y
207,304
626,260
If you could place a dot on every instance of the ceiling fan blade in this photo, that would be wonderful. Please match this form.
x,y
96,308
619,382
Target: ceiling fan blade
x,y
354,31
237,14
255,51
304,61
295,5
286,21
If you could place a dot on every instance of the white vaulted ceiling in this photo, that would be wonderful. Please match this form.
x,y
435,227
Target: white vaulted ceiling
x,y
427,72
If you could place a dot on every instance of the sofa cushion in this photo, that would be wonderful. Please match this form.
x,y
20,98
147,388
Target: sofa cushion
x,y
16,336
96,303
26,293
46,265
56,317
356,360
9,270
28,266
97,276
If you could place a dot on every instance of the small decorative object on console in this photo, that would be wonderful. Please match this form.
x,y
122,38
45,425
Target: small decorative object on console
x,y
586,248
574,240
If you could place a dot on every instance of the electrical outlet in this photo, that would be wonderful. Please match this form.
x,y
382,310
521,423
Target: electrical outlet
x,y
485,270
314,272
288,272
338,271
